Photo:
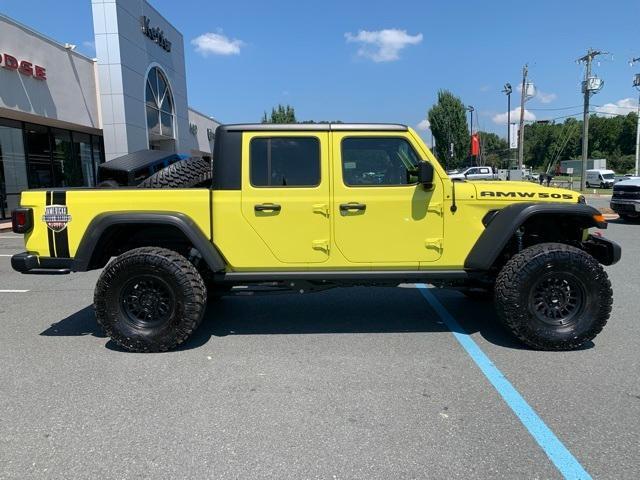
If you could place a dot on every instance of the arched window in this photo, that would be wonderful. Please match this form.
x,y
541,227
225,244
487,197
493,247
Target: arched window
x,y
159,105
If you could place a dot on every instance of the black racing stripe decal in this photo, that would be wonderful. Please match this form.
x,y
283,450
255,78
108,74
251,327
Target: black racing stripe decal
x,y
61,238
52,249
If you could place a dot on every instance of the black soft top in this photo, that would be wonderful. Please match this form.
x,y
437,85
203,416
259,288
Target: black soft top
x,y
140,159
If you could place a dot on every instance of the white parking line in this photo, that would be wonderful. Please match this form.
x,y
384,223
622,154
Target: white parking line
x,y
3,255
9,236
14,291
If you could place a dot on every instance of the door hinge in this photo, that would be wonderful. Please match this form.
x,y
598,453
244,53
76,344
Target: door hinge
x,y
321,208
321,245
435,208
435,243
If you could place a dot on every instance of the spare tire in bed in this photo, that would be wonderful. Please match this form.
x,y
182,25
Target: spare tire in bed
x,y
193,172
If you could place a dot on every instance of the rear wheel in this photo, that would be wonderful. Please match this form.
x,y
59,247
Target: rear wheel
x,y
150,299
553,296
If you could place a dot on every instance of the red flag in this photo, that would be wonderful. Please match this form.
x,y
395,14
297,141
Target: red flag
x,y
475,145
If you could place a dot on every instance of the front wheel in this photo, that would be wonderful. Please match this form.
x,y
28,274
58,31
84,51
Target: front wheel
x,y
553,296
150,299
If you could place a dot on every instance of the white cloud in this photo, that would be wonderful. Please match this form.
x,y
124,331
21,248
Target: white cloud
x,y
423,125
501,118
216,44
545,97
621,107
542,97
382,45
485,88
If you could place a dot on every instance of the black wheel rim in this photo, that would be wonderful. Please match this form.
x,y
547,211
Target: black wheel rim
x,y
557,299
147,301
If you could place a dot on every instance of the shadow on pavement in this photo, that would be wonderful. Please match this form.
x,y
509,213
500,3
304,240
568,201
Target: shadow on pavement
x,y
81,323
346,310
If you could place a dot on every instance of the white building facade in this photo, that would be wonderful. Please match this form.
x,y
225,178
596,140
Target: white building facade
x,y
62,113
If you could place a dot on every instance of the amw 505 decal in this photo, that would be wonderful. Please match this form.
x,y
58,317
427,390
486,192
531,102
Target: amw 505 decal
x,y
564,196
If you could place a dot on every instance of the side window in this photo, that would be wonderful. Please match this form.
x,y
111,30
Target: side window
x,y
378,161
472,171
484,170
284,162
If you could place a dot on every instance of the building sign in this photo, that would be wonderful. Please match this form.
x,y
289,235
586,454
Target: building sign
x,y
154,33
27,69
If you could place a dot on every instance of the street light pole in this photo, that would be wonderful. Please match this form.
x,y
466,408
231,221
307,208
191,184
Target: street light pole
x,y
636,83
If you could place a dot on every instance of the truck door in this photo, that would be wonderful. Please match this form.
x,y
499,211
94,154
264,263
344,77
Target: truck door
x,y
381,214
285,193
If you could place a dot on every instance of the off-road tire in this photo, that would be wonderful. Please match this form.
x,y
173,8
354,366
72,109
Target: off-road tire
x,y
193,172
558,268
181,291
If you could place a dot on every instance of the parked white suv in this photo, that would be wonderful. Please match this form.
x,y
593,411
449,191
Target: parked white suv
x,y
474,173
625,200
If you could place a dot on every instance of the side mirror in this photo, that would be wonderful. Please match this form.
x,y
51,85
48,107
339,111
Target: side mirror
x,y
425,175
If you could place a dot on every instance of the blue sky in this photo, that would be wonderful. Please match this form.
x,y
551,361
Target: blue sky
x,y
377,61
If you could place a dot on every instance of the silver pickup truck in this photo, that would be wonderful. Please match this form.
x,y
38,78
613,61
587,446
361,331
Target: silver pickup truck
x,y
474,173
625,200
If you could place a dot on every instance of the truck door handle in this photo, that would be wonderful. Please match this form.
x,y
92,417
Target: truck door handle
x,y
345,207
267,207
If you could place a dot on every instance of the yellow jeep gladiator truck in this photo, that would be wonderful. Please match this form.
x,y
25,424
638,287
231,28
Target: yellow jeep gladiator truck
x,y
301,208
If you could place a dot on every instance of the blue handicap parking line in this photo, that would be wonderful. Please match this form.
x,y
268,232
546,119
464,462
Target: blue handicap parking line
x,y
561,457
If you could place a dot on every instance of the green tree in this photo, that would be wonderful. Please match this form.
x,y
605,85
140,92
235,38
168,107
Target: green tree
x,y
280,114
494,149
628,134
448,121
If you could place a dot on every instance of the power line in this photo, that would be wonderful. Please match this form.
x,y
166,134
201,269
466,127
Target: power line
x,y
552,109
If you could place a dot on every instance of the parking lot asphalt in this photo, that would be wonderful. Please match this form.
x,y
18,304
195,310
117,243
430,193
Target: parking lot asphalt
x,y
347,383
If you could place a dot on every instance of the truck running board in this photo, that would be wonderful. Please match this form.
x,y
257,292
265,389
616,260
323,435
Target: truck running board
x,y
363,276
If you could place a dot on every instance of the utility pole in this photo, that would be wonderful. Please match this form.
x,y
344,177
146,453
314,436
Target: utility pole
x,y
471,109
523,96
589,85
507,91
636,83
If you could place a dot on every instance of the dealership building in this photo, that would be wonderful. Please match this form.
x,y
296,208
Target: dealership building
x,y
62,113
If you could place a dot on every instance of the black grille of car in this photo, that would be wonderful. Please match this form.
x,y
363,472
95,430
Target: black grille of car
x,y
630,192
624,207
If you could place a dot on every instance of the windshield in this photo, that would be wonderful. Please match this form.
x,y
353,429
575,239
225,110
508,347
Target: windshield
x,y
608,176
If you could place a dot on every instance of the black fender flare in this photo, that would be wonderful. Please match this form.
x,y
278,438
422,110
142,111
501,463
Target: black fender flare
x,y
504,223
184,223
